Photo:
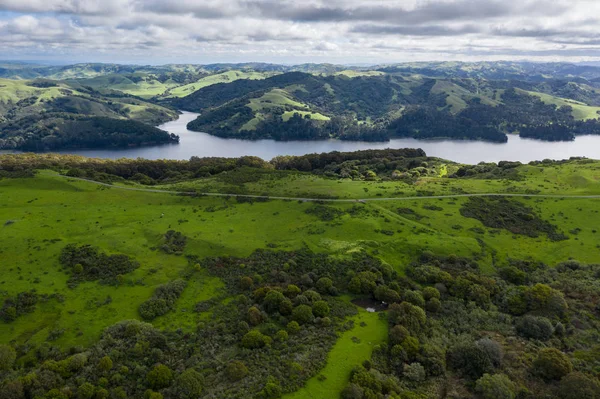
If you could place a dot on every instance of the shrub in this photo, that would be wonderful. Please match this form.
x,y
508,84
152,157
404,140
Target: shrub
x,y
409,315
159,377
497,386
7,357
433,305
398,334
535,328
303,314
163,299
174,242
293,327
255,339
320,309
431,292
579,386
236,370
85,391
552,364
492,349
189,384
414,372
90,263
414,297
105,364
352,391
469,359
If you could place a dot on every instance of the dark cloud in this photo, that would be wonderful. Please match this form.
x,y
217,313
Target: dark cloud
x,y
421,30
427,13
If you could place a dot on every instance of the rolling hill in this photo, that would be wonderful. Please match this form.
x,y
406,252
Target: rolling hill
x,y
46,114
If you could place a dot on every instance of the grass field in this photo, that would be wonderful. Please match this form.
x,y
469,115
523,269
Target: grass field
x,y
352,348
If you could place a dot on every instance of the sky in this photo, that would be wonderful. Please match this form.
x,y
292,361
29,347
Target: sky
x,y
298,31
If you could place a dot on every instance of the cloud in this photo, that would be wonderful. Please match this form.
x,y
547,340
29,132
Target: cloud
x,y
313,30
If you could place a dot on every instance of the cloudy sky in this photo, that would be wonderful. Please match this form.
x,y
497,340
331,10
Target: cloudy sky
x,y
296,31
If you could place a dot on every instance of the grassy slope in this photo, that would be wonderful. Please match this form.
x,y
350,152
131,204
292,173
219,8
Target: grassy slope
x,y
581,111
346,354
458,96
144,89
277,98
12,91
225,77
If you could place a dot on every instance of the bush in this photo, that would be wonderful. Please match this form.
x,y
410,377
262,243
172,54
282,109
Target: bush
x,y
85,391
90,263
352,391
469,359
409,315
236,370
320,309
497,386
398,334
492,349
303,314
579,386
414,372
7,357
552,364
160,377
189,384
255,339
163,299
105,364
535,328
293,327
431,292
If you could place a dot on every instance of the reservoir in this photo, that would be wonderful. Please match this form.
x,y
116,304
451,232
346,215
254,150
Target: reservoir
x,y
470,152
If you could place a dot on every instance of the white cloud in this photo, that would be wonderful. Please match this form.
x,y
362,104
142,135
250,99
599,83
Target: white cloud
x,y
292,31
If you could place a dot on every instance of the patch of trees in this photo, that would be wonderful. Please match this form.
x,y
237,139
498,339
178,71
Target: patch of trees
x,y
20,304
90,263
490,170
511,215
318,162
174,242
476,356
423,122
451,327
561,132
61,131
325,213
163,300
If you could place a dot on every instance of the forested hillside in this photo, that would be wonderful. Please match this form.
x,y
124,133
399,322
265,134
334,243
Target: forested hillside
x,y
376,108
45,115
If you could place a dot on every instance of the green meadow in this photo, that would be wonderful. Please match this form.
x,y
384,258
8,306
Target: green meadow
x,y
353,347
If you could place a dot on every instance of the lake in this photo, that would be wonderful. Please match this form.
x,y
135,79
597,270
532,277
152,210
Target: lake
x,y
470,152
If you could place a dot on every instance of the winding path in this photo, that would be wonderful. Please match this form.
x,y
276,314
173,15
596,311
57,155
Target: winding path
x,y
150,190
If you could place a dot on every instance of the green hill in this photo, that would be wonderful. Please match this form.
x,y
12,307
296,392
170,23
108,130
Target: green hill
x,y
45,114
380,106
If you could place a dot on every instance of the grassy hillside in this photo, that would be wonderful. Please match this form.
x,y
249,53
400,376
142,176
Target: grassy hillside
x,y
43,114
225,77
379,106
397,229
